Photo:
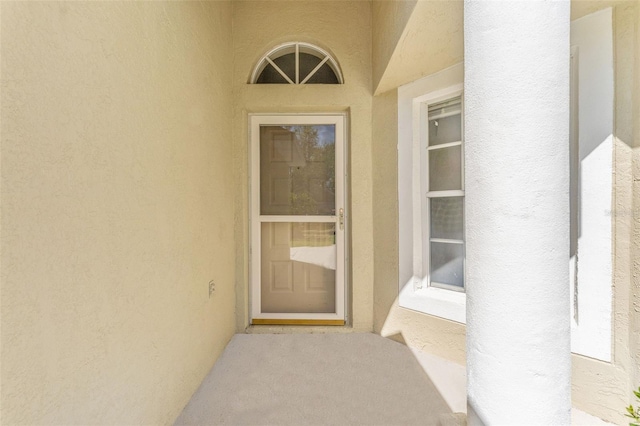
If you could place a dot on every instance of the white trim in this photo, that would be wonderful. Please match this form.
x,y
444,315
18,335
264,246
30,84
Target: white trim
x,y
340,122
413,100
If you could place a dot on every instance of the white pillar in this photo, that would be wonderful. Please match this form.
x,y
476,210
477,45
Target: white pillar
x,y
517,211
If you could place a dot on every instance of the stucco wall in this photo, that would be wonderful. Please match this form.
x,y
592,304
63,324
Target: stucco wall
x,y
344,29
389,21
431,41
116,208
385,205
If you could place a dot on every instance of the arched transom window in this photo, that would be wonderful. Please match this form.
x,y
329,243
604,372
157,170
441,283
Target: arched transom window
x,y
296,63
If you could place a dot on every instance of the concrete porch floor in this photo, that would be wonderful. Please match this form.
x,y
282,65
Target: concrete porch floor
x,y
330,379
315,379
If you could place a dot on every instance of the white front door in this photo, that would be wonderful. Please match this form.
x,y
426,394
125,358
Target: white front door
x,y
297,219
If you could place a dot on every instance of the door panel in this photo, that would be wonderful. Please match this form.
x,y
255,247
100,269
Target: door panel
x,y
297,238
298,263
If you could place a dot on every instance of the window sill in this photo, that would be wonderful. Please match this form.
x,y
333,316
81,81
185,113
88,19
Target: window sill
x,y
447,304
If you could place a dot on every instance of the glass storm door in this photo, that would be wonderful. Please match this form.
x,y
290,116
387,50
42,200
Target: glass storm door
x,y
297,219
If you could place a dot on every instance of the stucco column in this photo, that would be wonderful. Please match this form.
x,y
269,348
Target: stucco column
x,y
517,211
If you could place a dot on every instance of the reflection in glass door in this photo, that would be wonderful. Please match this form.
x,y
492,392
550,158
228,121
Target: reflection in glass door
x,y
297,198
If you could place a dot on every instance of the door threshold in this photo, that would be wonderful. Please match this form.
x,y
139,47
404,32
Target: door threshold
x,y
263,321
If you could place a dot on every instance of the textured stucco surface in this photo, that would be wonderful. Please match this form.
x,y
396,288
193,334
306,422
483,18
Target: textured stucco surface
x,y
116,208
385,205
389,21
516,212
344,29
430,42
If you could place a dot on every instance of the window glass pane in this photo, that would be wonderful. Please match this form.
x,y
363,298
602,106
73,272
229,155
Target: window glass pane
x,y
298,267
445,130
271,76
297,170
287,63
307,63
445,168
324,75
447,264
447,218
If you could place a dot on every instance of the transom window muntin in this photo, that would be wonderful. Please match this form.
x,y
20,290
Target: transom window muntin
x,y
443,162
297,63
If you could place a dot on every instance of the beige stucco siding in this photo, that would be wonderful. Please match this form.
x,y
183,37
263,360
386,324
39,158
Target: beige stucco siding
x,y
431,41
385,205
116,208
389,22
344,29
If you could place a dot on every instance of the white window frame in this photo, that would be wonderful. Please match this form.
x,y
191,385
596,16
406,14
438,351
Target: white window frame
x,y
297,47
413,101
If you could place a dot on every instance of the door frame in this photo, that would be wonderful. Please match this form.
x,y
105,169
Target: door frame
x,y
255,315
